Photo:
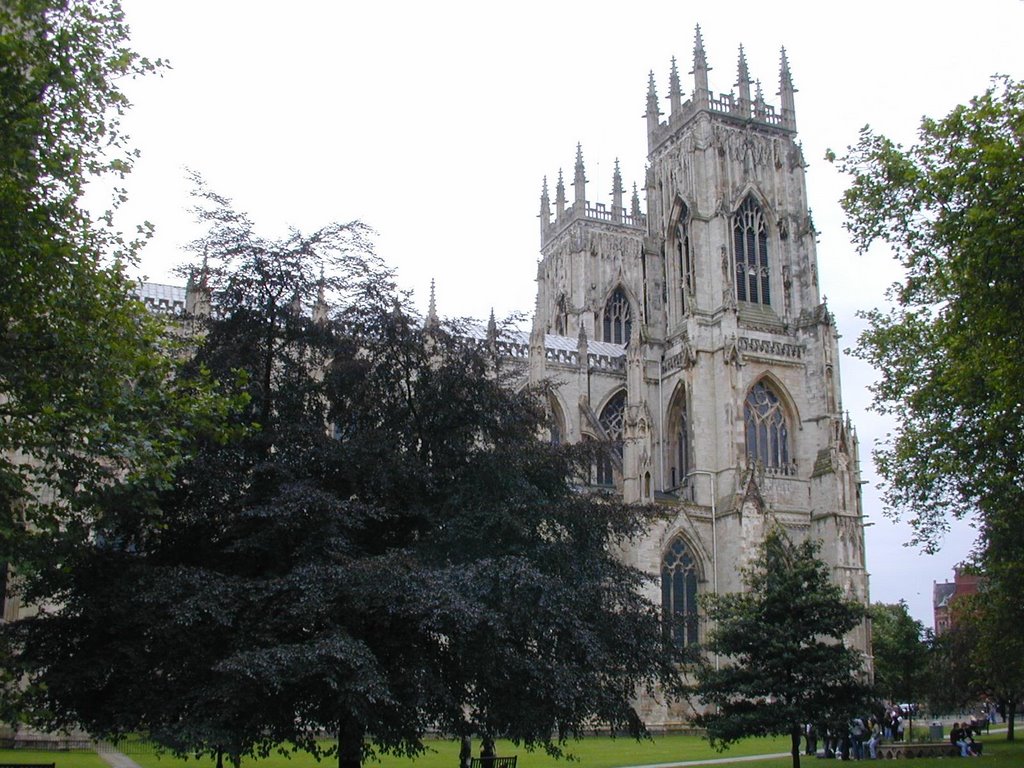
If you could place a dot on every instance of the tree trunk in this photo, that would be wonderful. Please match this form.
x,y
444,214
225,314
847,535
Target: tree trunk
x,y
465,751
220,758
350,745
795,742
1011,711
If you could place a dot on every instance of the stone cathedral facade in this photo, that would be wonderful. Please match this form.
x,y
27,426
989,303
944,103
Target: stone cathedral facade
x,y
694,337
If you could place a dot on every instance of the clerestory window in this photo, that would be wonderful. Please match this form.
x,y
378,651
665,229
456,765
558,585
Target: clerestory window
x,y
750,245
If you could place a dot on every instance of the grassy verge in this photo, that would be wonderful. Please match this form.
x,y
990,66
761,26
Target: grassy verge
x,y
597,752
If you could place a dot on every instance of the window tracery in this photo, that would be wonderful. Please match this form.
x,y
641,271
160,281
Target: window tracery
x,y
679,594
618,322
767,433
612,420
750,245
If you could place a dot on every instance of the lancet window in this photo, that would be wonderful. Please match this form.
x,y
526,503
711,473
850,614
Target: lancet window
x,y
679,443
618,322
611,419
561,316
684,259
750,246
767,433
679,594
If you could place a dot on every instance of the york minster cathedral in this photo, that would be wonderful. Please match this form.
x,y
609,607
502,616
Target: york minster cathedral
x,y
692,335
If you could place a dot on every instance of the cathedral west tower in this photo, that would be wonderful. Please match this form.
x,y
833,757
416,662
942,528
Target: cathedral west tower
x,y
693,336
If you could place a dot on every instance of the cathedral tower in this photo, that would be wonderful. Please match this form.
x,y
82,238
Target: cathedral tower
x,y
695,339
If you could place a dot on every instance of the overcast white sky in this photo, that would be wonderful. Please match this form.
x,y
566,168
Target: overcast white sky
x,y
434,122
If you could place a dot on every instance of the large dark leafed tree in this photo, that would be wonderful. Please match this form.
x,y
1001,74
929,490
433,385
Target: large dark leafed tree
x,y
950,351
778,660
386,547
86,399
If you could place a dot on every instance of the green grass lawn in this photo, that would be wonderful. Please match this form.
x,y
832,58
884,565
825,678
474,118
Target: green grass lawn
x,y
596,752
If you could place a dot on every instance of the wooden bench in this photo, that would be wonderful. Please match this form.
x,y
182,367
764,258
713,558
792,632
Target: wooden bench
x,y
28,765
487,762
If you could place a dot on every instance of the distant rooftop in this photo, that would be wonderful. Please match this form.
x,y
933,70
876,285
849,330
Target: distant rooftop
x,y
162,299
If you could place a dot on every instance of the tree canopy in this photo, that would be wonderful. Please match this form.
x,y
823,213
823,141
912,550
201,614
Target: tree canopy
x,y
87,396
949,349
384,546
901,653
779,657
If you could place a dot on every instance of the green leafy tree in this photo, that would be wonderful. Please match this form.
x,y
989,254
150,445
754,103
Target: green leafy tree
x,y
985,651
900,648
949,350
385,548
87,399
781,641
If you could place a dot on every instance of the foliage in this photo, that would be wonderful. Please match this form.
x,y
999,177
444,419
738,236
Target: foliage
x,y
900,647
385,547
949,350
985,650
781,643
85,397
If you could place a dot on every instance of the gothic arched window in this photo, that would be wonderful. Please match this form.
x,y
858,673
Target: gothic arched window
x,y
617,320
678,443
556,423
684,258
561,316
750,244
767,434
612,417
679,594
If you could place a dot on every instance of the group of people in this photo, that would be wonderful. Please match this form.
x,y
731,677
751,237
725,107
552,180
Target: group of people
x,y
856,742
862,736
962,736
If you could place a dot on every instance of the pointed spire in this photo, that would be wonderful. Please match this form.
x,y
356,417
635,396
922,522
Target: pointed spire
x,y
545,206
675,93
197,291
743,85
701,94
617,190
295,307
559,196
760,108
492,329
786,91
580,181
581,343
432,321
320,307
652,114
634,208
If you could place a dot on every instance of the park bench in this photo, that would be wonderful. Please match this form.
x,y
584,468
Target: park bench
x,y
28,765
487,762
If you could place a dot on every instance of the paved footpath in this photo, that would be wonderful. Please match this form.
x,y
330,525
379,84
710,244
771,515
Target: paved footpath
x,y
116,759
713,761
